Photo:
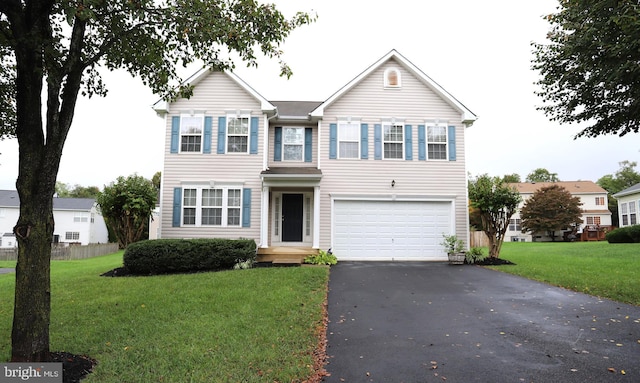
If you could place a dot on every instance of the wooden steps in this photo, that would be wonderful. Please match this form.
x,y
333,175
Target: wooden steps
x,y
284,255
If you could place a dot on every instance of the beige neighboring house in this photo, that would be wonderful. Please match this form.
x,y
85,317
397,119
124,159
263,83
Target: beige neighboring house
x,y
596,216
628,205
374,172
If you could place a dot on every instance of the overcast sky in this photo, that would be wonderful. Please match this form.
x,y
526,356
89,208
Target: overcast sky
x,y
479,51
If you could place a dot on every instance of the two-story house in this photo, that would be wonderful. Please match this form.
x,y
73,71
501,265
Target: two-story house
x,y
77,220
375,172
596,217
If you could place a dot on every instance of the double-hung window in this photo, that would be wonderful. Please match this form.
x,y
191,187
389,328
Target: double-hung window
x,y
212,206
191,128
624,212
393,141
437,142
348,139
515,224
237,133
632,213
599,201
293,144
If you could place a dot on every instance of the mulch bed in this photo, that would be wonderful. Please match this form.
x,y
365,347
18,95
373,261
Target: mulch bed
x,y
488,261
74,367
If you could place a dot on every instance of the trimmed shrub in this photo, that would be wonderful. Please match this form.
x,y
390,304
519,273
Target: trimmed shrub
x,y
627,234
162,256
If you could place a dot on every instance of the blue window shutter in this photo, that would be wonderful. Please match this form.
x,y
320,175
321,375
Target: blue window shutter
x,y
422,143
308,144
206,145
253,137
364,141
452,143
333,141
377,141
408,143
277,144
175,133
222,134
246,207
177,207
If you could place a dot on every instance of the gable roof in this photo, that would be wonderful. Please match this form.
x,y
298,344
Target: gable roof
x,y
10,198
162,106
630,190
574,187
468,117
295,109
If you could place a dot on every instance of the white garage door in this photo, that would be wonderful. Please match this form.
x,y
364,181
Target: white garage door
x,y
390,230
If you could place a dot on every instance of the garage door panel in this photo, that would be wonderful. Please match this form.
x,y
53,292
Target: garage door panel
x,y
388,230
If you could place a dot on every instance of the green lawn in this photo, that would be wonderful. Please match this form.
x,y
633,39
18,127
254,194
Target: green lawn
x,y
257,325
598,268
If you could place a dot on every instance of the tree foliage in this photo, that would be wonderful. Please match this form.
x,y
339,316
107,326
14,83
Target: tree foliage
x,y
590,66
77,191
53,50
126,206
542,175
513,178
496,202
549,209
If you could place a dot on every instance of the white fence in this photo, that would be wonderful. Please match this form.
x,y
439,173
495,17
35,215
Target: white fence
x,y
67,252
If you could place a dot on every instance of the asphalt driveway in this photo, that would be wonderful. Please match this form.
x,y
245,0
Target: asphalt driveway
x,y
433,322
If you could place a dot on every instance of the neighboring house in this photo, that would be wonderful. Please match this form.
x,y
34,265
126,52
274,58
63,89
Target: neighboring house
x,y
375,172
77,220
628,205
596,217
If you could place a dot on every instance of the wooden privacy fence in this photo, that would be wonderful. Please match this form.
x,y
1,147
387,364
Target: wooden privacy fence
x,y
478,239
67,253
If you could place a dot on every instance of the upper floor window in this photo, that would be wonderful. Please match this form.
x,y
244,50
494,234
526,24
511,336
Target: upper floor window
x,y
211,206
80,216
392,78
237,133
293,144
348,139
393,141
515,224
191,128
599,200
437,142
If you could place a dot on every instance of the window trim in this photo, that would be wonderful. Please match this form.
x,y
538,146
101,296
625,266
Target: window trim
x,y
284,143
387,77
358,141
401,125
440,143
237,116
199,206
181,134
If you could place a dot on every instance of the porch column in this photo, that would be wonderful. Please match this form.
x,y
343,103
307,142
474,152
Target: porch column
x,y
316,217
264,218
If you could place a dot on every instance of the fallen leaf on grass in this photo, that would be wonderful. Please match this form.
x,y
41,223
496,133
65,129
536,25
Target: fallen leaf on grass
x,y
610,369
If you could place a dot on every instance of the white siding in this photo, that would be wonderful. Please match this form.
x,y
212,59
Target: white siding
x,y
412,104
214,96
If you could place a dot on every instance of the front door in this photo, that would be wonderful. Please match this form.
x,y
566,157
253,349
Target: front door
x,y
292,217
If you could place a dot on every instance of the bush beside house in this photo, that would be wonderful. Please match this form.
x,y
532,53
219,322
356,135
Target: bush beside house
x,y
627,234
162,256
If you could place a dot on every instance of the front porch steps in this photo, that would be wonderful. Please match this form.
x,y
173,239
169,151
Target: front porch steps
x,y
284,255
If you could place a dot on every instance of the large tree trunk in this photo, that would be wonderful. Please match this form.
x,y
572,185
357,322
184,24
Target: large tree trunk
x,y
39,160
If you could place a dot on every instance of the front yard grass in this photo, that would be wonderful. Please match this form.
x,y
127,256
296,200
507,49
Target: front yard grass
x,y
257,325
598,268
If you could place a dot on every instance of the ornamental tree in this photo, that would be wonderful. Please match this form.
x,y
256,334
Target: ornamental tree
x,y
549,209
590,66
126,206
495,202
51,52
